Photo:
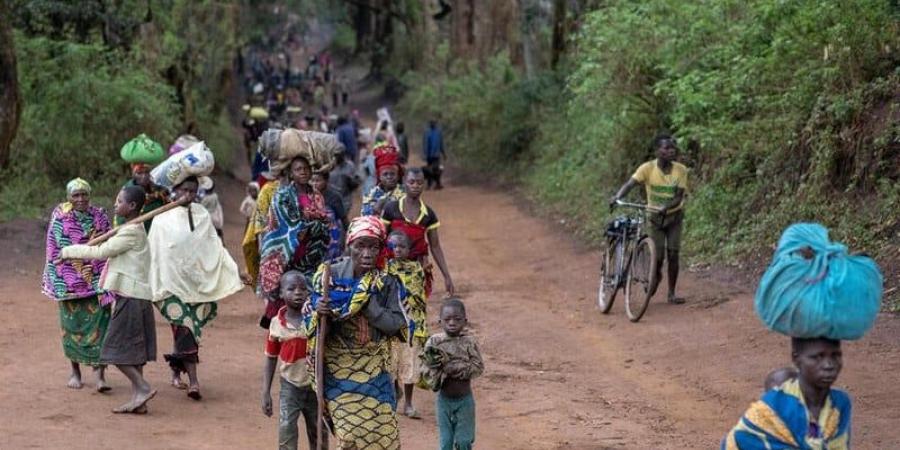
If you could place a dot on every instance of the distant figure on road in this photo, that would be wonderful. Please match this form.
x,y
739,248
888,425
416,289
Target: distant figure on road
x,y
665,182
434,150
402,143
346,134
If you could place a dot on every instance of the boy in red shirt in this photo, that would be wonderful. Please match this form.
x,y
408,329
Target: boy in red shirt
x,y
286,343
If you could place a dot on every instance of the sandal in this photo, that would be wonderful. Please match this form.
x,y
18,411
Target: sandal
x,y
412,414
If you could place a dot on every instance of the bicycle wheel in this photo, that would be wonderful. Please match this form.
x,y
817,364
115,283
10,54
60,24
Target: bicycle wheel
x,y
609,285
641,271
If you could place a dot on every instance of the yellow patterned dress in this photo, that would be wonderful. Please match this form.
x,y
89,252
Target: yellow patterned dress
x,y
358,387
255,227
780,420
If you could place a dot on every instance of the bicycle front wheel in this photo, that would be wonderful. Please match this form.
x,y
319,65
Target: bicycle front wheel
x,y
609,285
641,276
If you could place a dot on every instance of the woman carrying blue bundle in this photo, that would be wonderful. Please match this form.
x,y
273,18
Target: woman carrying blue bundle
x,y
818,294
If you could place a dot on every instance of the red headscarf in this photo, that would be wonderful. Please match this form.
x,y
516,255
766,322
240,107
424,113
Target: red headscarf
x,y
386,155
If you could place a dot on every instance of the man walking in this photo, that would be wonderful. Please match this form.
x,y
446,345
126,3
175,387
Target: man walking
x,y
434,150
665,182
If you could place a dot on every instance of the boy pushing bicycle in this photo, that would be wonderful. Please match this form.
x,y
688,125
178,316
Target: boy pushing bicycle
x,y
665,182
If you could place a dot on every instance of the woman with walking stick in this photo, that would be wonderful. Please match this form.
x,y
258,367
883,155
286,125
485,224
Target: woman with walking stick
x,y
363,312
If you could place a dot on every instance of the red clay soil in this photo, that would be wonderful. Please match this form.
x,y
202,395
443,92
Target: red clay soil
x,y
559,375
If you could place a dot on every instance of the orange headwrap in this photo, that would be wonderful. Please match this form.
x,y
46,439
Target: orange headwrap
x,y
140,166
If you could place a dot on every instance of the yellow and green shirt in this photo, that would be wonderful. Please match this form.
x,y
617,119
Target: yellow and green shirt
x,y
660,186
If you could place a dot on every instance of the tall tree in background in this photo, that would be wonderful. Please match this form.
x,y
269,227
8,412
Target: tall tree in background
x,y
10,103
560,30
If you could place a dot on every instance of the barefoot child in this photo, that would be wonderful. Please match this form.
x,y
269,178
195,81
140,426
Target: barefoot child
x,y
131,337
406,353
248,205
286,342
450,360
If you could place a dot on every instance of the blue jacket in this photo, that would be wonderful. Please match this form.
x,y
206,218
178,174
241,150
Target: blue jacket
x,y
347,136
434,143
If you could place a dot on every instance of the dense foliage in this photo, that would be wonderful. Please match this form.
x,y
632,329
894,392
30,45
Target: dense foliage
x,y
93,74
785,111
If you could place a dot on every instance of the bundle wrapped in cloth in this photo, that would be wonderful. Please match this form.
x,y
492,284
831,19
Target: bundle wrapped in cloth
x,y
142,150
280,147
197,160
814,288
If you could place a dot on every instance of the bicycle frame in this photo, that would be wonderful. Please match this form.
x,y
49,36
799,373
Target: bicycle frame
x,y
624,244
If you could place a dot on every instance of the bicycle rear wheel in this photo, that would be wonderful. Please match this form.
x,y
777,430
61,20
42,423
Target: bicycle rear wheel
x,y
609,285
641,272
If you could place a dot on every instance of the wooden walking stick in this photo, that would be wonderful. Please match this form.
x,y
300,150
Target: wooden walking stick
x,y
321,332
139,219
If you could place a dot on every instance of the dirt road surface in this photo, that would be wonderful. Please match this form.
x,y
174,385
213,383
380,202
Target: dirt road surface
x,y
559,375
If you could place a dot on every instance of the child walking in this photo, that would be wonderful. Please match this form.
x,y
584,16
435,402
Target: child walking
x,y
131,337
286,342
406,353
450,361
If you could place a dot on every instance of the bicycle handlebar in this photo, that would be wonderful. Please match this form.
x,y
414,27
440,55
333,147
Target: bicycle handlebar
x,y
637,206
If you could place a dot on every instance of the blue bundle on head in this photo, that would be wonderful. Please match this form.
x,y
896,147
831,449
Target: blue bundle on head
x,y
814,288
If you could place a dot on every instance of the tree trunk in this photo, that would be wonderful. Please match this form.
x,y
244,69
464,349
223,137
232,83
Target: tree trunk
x,y
528,47
560,31
10,101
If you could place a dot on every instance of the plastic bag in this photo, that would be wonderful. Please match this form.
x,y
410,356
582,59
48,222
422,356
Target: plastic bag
x,y
196,160
814,288
142,150
183,142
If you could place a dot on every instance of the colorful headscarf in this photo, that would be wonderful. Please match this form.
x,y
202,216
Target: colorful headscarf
x,y
77,185
366,226
386,155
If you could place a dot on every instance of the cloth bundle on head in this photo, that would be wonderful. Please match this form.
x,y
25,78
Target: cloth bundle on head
x,y
386,155
316,148
814,288
366,226
183,142
142,150
269,143
196,161
78,185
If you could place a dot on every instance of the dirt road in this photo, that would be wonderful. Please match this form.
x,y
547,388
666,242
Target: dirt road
x,y
559,375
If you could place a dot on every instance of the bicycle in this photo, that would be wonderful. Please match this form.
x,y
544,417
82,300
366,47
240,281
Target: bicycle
x,y
629,258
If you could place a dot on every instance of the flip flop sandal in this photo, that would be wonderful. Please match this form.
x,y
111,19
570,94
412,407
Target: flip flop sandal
x,y
143,404
413,414
103,389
